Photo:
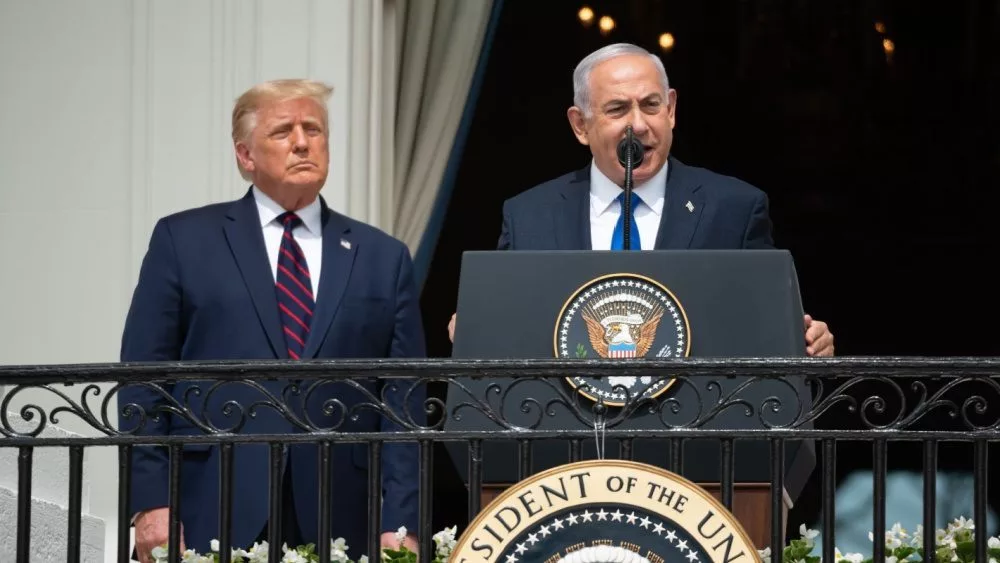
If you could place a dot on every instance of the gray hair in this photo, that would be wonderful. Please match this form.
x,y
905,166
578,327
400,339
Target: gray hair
x,y
581,76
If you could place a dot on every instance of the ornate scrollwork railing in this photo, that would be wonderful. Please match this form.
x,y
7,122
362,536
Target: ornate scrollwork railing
x,y
795,395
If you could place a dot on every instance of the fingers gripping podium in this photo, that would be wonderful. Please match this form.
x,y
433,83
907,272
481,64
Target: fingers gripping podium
x,y
625,305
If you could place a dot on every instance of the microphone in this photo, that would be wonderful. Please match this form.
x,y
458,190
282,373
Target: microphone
x,y
630,155
637,152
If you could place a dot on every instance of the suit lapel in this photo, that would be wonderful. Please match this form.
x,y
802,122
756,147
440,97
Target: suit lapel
x,y
683,204
572,219
339,250
246,241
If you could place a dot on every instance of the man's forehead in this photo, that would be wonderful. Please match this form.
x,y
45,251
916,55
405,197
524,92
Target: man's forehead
x,y
304,108
629,76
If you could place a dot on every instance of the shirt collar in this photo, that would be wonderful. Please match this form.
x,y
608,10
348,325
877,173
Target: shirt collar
x,y
604,192
268,209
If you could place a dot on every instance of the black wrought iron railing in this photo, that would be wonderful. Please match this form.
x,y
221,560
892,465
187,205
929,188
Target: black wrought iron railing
x,y
873,400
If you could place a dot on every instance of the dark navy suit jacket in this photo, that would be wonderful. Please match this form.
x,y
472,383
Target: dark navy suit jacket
x,y
206,292
727,213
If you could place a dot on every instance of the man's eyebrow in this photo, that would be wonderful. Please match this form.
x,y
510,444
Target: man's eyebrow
x,y
615,101
279,124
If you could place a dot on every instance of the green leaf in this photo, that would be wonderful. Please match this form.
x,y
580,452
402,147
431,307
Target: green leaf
x,y
966,550
581,352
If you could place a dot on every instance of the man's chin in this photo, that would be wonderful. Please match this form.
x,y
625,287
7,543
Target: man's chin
x,y
305,179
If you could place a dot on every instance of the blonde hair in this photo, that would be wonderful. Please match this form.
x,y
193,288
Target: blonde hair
x,y
245,110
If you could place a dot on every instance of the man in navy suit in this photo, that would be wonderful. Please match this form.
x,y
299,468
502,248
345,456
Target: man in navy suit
x,y
675,206
274,275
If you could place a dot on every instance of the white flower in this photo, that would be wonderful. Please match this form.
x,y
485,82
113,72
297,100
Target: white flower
x,y
849,557
293,556
214,546
808,535
993,543
160,553
765,554
338,550
961,523
445,541
258,553
401,534
191,556
944,539
363,559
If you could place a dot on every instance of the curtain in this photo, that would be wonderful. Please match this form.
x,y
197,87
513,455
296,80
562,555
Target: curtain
x,y
438,44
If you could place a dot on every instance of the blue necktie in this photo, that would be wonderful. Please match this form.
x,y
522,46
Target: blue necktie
x,y
618,238
294,289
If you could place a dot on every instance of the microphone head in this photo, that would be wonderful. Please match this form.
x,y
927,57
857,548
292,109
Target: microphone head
x,y
637,152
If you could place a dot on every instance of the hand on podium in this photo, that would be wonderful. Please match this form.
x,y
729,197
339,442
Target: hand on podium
x,y
819,339
451,328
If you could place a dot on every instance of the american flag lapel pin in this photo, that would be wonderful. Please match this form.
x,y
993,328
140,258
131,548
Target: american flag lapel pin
x,y
690,206
345,243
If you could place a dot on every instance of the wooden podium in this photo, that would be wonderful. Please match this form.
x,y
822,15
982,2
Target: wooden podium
x,y
751,507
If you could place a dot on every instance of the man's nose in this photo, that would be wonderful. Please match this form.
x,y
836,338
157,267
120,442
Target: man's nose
x,y
299,140
639,124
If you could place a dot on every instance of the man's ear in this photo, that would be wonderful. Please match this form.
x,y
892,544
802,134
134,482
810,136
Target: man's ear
x,y
579,124
243,156
672,107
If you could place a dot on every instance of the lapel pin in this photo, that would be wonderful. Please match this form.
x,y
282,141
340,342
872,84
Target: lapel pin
x,y
345,243
690,207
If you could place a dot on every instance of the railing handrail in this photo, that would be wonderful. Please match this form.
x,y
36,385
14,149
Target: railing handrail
x,y
771,367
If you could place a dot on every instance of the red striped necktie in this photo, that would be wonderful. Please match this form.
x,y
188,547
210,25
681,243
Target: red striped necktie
x,y
293,288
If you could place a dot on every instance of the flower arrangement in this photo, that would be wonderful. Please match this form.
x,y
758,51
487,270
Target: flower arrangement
x,y
954,544
444,543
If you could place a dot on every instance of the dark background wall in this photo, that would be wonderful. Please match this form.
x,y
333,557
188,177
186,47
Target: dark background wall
x,y
882,172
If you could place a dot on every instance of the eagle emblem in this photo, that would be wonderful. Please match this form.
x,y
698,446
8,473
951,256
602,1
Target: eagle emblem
x,y
621,317
622,336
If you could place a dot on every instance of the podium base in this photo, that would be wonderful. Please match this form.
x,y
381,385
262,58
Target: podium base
x,y
751,507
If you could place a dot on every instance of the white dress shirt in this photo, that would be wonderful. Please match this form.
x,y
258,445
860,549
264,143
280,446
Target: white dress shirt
x,y
309,234
605,209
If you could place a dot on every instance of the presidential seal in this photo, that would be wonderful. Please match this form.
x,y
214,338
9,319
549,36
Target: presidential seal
x,y
605,511
622,316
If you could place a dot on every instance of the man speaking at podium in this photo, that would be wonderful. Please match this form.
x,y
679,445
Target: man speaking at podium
x,y
674,206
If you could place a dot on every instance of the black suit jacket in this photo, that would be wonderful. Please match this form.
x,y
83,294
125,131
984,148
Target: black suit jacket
x,y
727,213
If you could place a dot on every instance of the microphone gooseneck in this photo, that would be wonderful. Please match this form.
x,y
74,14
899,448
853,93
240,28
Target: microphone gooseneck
x,y
630,155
